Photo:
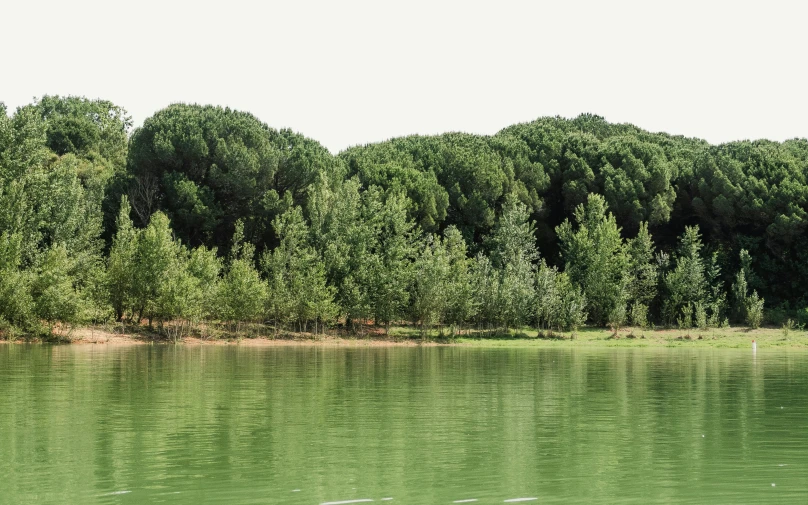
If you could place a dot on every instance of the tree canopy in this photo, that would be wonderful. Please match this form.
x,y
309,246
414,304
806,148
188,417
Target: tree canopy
x,y
206,212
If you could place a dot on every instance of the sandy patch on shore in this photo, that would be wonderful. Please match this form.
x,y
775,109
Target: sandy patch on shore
x,y
102,336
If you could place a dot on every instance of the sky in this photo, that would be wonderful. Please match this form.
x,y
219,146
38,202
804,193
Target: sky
x,y
352,72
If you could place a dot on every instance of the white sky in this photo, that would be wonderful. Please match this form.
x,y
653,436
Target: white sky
x,y
352,72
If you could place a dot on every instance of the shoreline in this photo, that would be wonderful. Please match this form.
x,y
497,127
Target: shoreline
x,y
719,338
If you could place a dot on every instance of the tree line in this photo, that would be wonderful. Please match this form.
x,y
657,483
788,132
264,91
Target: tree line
x,y
207,215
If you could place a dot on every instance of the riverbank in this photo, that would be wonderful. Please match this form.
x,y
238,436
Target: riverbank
x,y
402,336
727,338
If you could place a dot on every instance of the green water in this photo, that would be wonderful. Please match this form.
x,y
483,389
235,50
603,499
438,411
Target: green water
x,y
197,425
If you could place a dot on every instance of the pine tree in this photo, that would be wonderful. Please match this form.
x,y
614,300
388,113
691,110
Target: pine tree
x,y
686,284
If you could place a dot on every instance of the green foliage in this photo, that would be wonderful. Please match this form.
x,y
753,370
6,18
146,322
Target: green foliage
x,y
460,306
596,259
16,303
242,293
507,296
157,259
430,284
204,267
559,304
368,245
121,266
225,155
517,294
748,308
513,240
754,310
95,296
81,126
55,296
297,279
390,264
343,231
685,320
573,308
643,278
453,179
740,291
639,315
487,292
700,316
386,232
788,326
208,167
692,283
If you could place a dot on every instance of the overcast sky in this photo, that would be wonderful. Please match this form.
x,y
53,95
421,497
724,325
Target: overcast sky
x,y
353,72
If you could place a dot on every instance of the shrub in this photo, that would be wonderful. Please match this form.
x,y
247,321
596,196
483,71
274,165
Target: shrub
x,y
639,315
701,316
754,310
686,319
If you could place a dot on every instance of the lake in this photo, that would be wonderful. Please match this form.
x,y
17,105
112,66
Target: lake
x,y
95,424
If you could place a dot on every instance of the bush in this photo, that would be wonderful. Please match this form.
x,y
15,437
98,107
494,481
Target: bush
x,y
802,317
787,327
686,319
639,315
701,316
714,321
754,310
617,316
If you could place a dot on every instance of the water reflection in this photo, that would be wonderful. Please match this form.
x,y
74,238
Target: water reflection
x,y
96,424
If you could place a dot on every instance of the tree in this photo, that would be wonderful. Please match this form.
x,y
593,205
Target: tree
x,y
16,302
442,289
81,126
297,282
343,234
208,167
754,310
643,276
344,231
686,284
748,308
559,304
460,303
55,296
430,283
487,293
389,266
242,293
513,251
204,266
693,285
596,259
156,264
121,264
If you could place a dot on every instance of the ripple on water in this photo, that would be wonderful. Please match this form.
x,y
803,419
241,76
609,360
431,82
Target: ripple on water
x,y
346,502
425,425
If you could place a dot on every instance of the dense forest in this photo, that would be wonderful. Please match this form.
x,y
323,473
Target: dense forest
x,y
207,215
